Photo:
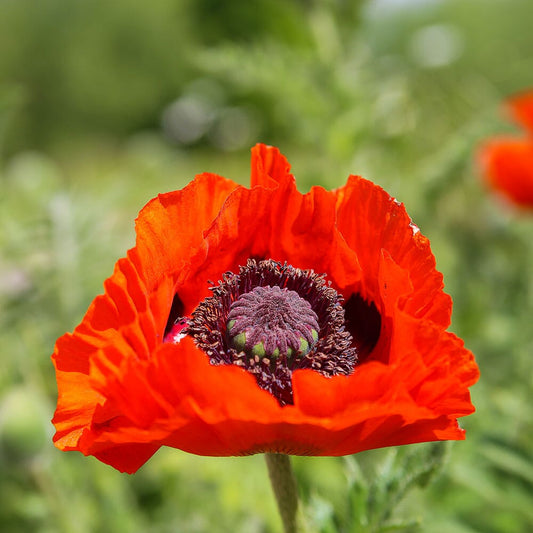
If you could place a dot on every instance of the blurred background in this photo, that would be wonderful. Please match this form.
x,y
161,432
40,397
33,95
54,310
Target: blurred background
x,y
105,104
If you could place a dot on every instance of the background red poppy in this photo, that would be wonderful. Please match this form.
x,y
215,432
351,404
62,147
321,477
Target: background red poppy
x,y
507,162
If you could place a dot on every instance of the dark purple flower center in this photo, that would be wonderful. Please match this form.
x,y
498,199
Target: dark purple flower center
x,y
270,322
272,319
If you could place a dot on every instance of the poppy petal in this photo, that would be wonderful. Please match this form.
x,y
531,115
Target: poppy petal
x,y
128,457
269,167
175,223
280,224
371,220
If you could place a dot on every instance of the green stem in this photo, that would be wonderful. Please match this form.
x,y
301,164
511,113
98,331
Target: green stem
x,y
284,487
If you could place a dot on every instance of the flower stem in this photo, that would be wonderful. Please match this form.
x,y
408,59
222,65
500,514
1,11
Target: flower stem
x,y
284,486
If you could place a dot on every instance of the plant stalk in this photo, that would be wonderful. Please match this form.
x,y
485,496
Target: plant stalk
x,y
285,490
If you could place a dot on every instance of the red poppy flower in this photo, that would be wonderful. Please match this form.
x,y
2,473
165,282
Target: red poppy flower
x,y
507,161
324,335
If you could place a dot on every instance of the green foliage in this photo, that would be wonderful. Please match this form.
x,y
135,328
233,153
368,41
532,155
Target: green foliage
x,y
104,105
91,67
371,498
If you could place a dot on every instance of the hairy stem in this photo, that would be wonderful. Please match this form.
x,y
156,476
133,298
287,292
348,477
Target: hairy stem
x,y
284,487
